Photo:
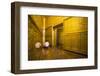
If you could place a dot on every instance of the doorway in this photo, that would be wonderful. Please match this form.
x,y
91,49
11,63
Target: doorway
x,y
58,30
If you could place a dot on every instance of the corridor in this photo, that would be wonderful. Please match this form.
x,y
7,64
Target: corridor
x,y
57,37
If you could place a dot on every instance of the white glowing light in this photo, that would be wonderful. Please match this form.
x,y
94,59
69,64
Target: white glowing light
x,y
38,45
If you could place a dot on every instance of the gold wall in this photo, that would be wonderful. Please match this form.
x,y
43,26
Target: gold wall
x,y
73,36
38,20
48,35
34,36
52,21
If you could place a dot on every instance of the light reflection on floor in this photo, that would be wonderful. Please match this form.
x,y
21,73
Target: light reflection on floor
x,y
53,53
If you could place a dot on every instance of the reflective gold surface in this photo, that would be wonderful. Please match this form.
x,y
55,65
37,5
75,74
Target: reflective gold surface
x,y
67,37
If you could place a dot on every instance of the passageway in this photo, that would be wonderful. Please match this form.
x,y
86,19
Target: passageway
x,y
65,36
